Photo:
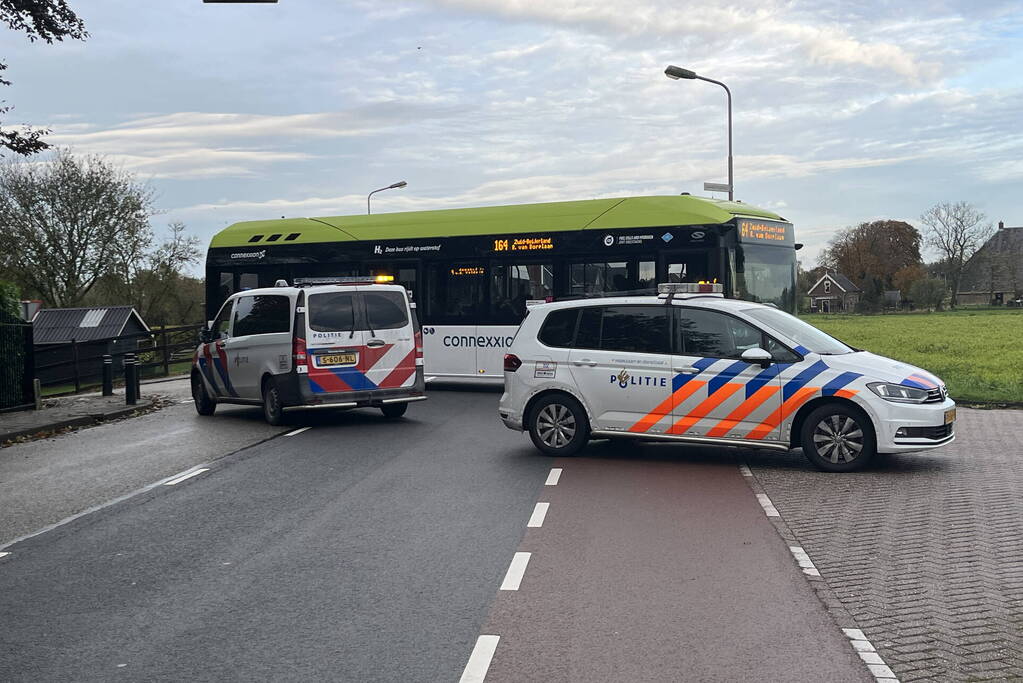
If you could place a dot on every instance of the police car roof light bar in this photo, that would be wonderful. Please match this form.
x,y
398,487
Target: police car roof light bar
x,y
347,280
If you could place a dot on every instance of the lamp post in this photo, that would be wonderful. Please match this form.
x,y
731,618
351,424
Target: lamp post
x,y
393,186
677,72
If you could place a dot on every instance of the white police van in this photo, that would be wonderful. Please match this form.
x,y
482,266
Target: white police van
x,y
324,343
690,366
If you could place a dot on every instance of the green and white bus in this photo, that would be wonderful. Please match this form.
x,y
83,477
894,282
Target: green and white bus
x,y
473,272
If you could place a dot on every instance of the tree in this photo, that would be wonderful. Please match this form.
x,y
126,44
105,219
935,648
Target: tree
x,y
928,292
10,300
956,231
69,221
875,250
47,20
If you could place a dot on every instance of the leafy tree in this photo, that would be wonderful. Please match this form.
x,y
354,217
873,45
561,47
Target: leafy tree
x,y
47,20
928,292
10,300
874,250
956,231
68,222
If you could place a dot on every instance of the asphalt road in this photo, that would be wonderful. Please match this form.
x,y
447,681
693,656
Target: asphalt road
x,y
363,549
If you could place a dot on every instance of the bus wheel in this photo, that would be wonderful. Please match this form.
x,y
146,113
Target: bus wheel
x,y
204,403
393,410
838,438
273,411
558,425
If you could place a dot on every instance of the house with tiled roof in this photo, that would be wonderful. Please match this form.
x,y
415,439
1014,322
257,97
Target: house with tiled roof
x,y
994,274
833,293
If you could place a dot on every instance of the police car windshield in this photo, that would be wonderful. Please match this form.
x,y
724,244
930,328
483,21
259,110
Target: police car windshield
x,y
798,331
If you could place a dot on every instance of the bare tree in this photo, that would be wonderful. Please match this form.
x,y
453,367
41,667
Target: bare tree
x,y
47,20
956,230
66,221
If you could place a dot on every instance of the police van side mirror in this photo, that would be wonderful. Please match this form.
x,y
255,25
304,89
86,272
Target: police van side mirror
x,y
757,355
205,334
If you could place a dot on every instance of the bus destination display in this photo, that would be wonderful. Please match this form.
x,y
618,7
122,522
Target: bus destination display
x,y
524,244
765,232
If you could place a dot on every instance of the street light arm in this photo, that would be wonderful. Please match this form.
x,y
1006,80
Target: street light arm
x,y
392,186
731,187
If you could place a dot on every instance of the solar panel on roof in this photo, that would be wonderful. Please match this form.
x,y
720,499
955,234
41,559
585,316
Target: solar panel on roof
x,y
93,318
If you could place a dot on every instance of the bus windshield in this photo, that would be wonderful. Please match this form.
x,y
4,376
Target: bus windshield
x,y
799,331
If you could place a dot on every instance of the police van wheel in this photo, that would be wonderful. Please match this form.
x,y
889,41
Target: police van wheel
x,y
558,425
393,410
838,438
204,403
273,411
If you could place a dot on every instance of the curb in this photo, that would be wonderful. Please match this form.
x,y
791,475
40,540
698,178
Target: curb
x,y
80,421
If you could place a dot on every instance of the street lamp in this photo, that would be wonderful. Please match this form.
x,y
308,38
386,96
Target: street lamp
x,y
677,72
393,186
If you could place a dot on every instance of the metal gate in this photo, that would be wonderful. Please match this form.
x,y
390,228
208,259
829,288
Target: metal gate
x,y
17,368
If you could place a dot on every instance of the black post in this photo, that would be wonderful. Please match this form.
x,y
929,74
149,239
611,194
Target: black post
x,y
166,351
108,375
131,384
138,376
74,357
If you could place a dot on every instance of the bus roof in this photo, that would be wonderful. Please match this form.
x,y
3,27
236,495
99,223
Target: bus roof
x,y
591,214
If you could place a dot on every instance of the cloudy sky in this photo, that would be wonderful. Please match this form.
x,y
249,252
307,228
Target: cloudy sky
x,y
843,112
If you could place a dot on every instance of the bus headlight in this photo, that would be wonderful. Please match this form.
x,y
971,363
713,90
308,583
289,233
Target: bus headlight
x,y
899,393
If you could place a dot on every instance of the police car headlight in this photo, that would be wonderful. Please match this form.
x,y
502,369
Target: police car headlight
x,y
899,393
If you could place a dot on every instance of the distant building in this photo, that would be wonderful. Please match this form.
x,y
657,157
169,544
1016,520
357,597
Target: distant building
x,y
994,275
833,293
95,329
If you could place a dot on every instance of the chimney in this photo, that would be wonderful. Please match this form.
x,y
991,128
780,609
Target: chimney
x,y
1001,225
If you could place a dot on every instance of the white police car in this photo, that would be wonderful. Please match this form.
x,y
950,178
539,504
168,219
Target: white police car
x,y
325,343
690,366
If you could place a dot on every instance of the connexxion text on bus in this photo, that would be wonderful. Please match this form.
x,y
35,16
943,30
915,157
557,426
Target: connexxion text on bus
x,y
474,271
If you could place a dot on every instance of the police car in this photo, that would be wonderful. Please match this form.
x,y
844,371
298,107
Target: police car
x,y
689,365
324,343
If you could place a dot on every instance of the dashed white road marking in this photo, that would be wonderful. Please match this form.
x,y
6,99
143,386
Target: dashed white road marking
x,y
297,431
479,661
863,647
803,560
516,570
539,514
4,554
745,471
187,401
187,475
768,506
553,477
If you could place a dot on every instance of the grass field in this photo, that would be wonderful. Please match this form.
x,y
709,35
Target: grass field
x,y
979,354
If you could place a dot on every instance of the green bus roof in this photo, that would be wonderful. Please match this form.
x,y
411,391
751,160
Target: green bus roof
x,y
591,214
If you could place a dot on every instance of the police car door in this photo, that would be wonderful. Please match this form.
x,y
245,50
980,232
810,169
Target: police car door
x,y
621,364
718,395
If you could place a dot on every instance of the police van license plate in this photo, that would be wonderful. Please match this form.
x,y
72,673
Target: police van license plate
x,y
950,416
337,359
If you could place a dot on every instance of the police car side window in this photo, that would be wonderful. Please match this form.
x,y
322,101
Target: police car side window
x,y
265,314
559,328
220,323
635,329
715,335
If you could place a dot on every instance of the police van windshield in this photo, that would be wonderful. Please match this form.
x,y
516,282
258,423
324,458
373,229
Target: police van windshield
x,y
798,331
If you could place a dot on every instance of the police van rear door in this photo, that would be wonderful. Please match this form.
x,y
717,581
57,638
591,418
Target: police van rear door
x,y
388,360
335,340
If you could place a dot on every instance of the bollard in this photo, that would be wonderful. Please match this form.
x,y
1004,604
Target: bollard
x,y
131,384
108,375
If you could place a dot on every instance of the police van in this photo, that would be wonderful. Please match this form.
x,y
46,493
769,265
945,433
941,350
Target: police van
x,y
689,365
323,343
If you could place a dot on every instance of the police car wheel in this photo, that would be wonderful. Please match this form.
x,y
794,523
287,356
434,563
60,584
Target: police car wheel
x,y
558,425
393,410
204,403
838,438
273,411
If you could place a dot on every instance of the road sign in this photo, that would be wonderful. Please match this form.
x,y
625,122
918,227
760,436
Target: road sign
x,y
717,187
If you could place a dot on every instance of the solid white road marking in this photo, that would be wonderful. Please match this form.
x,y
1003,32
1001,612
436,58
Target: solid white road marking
x,y
745,471
803,560
553,477
516,570
187,475
297,431
768,506
539,514
479,661
4,554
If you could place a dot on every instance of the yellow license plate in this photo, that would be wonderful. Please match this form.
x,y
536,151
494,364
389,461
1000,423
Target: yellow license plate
x,y
950,416
337,359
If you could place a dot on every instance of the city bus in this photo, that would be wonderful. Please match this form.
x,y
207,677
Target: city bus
x,y
474,272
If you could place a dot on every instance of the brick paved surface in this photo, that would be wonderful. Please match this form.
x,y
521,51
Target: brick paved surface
x,y
924,551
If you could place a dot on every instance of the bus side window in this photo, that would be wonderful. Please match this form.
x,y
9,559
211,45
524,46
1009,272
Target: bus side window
x,y
226,285
513,286
248,281
457,293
